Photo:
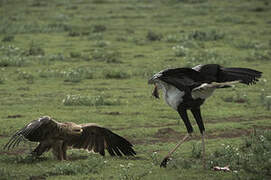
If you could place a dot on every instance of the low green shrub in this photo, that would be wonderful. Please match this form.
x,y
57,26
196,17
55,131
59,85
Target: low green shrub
x,y
257,55
7,174
105,55
189,1
57,57
248,44
180,51
39,3
172,38
116,74
2,80
8,38
10,50
22,75
95,36
196,151
206,57
208,35
78,74
236,97
101,43
50,73
71,75
35,50
253,156
75,54
92,165
265,100
79,100
181,163
153,36
98,28
12,61
73,33
59,26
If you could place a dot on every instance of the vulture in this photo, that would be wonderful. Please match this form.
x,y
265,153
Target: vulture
x,y
59,136
187,89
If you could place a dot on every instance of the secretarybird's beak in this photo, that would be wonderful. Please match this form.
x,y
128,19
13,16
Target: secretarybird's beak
x,y
151,81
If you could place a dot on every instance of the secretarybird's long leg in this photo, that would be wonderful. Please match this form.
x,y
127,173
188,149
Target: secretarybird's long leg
x,y
184,116
166,158
197,115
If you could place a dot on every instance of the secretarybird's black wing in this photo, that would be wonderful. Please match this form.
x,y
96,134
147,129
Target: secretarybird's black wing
x,y
181,78
217,73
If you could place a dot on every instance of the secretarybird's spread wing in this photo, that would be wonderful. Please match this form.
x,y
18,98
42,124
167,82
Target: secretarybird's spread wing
x,y
217,73
181,78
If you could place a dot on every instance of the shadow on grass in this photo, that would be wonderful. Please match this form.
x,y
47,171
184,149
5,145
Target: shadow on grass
x,y
22,159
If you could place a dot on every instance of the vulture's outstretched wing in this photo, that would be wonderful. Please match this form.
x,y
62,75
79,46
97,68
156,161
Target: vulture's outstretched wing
x,y
216,73
97,139
37,130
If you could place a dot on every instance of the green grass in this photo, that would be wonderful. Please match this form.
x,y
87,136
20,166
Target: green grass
x,y
89,61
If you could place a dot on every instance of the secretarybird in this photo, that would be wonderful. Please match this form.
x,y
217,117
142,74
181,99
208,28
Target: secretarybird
x,y
187,89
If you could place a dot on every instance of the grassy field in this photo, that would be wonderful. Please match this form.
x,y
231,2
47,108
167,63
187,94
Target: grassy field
x,y
89,61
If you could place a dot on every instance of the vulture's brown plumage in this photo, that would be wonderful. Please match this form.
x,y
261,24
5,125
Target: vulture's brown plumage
x,y
59,136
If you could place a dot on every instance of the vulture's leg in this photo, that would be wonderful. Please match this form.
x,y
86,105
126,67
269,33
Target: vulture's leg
x,y
184,116
64,150
57,150
40,149
197,115
37,151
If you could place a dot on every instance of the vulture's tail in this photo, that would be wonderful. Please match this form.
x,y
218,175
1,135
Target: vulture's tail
x,y
244,75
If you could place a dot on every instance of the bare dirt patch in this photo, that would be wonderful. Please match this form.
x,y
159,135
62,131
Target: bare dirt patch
x,y
170,135
14,152
166,132
236,119
3,136
144,126
37,177
113,113
120,113
221,120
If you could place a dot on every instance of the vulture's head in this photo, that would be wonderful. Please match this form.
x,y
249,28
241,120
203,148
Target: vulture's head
x,y
70,128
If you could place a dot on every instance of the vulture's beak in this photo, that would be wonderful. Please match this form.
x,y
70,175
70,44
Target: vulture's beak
x,y
78,131
155,92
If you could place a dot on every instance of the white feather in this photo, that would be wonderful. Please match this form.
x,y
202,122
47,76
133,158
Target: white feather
x,y
203,91
29,124
157,75
172,95
206,90
197,68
